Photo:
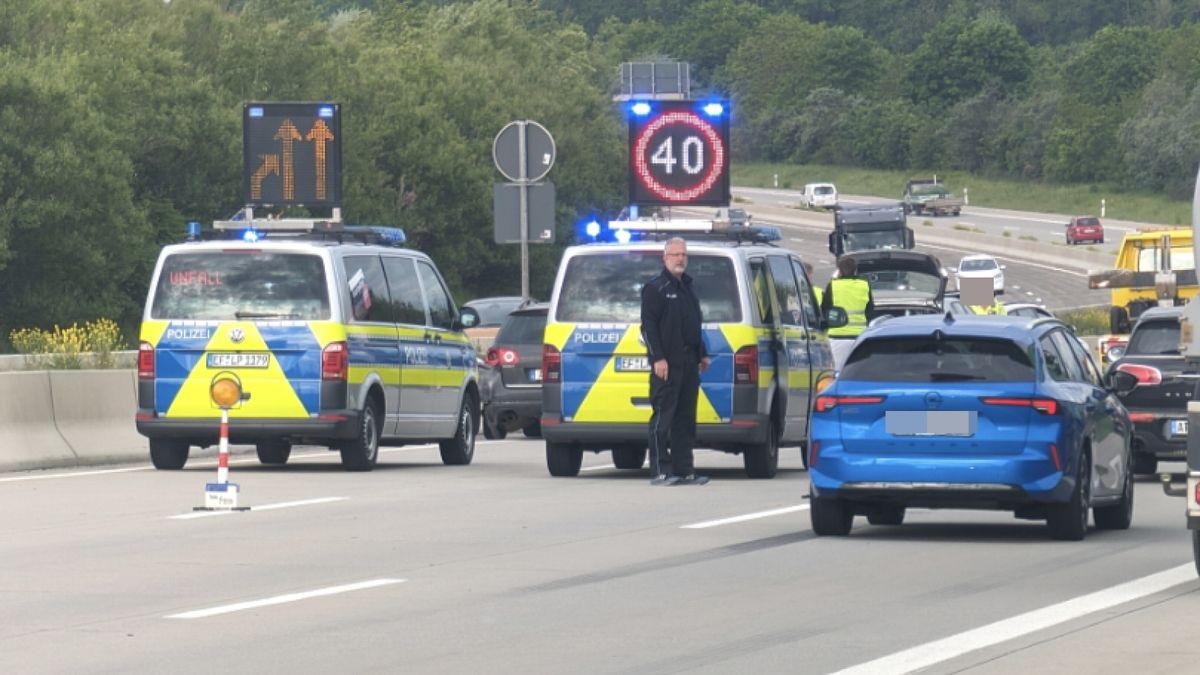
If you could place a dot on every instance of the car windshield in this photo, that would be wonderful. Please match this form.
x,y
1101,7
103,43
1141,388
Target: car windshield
x,y
1154,338
977,265
492,312
232,285
522,329
1182,258
607,287
928,359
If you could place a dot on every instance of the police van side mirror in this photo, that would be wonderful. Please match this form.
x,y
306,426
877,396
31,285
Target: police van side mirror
x,y
468,317
836,318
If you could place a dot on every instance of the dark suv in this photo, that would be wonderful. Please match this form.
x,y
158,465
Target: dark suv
x,y
1158,405
512,381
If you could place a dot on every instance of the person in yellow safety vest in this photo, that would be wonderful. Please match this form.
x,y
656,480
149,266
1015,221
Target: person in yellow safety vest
x,y
852,294
996,308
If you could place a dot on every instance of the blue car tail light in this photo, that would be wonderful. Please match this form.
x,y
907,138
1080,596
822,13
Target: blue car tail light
x,y
1046,406
827,403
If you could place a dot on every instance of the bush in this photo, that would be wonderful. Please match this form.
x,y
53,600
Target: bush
x,y
91,345
1086,320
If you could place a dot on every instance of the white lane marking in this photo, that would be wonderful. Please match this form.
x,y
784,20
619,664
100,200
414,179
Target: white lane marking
x,y
798,241
923,656
76,474
281,599
1010,259
599,467
748,516
205,462
264,507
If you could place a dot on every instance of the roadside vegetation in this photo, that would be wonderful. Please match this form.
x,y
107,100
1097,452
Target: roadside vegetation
x,y
88,346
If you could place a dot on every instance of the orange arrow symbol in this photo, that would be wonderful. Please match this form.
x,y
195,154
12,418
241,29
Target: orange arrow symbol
x,y
319,135
269,165
287,134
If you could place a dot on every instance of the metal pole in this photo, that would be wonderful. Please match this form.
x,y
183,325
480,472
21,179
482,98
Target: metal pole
x,y
523,182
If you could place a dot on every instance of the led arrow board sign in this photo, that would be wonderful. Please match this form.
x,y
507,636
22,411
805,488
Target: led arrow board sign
x,y
678,153
292,154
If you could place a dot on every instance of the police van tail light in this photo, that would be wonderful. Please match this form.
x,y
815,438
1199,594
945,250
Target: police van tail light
x,y
335,361
145,361
551,364
745,365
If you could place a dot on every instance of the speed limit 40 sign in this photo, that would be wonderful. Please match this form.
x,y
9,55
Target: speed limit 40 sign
x,y
679,153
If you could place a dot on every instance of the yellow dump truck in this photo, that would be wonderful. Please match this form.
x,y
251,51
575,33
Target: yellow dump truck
x,y
1154,266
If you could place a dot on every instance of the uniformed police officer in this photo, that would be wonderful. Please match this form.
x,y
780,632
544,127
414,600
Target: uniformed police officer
x,y
852,294
671,329
996,308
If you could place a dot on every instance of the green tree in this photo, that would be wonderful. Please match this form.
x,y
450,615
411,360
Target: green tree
x,y
960,59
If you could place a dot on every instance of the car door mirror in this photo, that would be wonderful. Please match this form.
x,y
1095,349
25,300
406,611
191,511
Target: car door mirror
x,y
468,317
836,317
1120,382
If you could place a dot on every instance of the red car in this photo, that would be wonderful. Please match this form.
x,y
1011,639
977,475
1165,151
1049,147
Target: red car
x,y
1085,228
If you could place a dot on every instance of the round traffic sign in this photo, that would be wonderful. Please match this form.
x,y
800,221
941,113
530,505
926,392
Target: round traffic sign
x,y
539,150
679,156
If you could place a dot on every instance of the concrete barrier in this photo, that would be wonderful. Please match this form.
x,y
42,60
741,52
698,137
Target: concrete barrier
x,y
94,411
29,438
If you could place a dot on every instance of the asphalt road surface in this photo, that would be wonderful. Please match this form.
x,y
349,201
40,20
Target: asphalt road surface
x,y
497,567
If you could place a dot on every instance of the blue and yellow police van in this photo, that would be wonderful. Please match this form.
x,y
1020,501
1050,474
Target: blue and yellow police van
x,y
335,334
762,328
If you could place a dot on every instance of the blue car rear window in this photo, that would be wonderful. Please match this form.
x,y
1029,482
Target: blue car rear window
x,y
926,359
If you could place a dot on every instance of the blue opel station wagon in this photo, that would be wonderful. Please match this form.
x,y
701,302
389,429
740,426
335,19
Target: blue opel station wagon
x,y
972,412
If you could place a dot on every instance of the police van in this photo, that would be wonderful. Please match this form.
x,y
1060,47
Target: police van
x,y
762,328
335,334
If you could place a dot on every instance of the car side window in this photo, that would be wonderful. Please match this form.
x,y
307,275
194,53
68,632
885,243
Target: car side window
x,y
441,310
367,289
408,305
1055,368
1091,373
807,300
785,290
762,291
1063,342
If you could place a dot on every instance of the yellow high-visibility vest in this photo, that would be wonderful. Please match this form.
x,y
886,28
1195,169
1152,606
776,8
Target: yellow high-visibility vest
x,y
851,295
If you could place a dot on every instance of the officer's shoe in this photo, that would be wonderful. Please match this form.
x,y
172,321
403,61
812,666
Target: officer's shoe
x,y
664,479
693,479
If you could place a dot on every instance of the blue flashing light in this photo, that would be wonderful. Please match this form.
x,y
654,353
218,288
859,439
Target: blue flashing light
x,y
714,109
623,236
593,229
250,235
325,111
640,109
193,230
256,111
633,211
391,235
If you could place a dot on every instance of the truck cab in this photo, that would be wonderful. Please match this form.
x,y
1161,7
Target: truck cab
x,y
870,228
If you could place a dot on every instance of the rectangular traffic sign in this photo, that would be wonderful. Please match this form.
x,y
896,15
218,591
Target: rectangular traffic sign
x,y
292,154
506,203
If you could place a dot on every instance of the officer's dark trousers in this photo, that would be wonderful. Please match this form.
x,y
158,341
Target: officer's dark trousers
x,y
673,423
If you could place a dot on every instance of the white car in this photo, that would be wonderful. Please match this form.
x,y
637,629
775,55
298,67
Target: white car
x,y
981,266
819,195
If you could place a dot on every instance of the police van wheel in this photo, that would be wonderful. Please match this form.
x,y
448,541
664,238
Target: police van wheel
x,y
629,456
361,453
762,461
274,452
460,450
167,454
563,459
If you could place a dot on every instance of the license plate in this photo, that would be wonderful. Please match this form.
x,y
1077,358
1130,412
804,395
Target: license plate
x,y
535,375
633,364
931,422
1179,427
239,360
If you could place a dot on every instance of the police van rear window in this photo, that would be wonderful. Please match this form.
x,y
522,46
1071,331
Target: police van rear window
x,y
928,359
237,285
607,287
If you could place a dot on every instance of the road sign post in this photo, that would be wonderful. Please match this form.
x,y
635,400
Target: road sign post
x,y
524,152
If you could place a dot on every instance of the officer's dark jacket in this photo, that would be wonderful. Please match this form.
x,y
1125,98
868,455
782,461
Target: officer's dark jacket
x,y
671,319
